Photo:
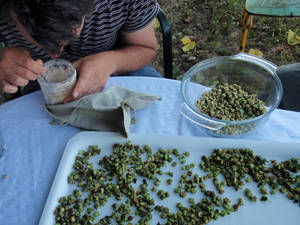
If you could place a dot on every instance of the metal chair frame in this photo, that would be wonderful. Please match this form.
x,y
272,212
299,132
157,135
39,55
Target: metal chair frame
x,y
167,43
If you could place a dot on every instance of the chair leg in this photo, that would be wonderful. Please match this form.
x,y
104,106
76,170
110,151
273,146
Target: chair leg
x,y
243,40
246,22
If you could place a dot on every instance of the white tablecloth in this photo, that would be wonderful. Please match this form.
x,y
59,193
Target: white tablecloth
x,y
35,146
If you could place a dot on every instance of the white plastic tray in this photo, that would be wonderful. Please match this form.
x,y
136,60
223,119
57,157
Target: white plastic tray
x,y
277,210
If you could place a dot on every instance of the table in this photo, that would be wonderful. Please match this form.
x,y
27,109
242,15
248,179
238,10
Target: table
x,y
35,146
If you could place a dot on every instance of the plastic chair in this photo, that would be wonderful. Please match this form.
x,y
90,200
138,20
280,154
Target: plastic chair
x,y
278,8
167,55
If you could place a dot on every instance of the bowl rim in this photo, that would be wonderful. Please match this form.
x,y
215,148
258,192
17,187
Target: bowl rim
x,y
239,57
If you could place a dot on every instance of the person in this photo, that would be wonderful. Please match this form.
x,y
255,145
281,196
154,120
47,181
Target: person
x,y
101,38
290,79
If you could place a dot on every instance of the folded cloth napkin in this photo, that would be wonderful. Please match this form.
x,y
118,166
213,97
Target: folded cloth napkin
x,y
109,110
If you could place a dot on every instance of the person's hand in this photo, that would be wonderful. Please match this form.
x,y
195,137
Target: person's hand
x,y
93,73
17,68
138,49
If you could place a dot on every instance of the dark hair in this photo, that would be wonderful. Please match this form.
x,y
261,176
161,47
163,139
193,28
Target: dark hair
x,y
51,21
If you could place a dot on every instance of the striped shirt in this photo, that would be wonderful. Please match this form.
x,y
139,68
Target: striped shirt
x,y
100,30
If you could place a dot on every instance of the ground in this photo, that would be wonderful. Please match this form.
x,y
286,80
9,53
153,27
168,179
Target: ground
x,y
215,28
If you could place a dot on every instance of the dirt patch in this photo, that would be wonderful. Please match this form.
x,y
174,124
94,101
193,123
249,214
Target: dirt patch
x,y
215,28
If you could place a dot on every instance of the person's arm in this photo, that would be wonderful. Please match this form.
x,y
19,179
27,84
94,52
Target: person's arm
x,y
138,50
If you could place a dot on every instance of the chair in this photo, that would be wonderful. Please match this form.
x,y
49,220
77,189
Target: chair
x,y
167,43
167,55
278,8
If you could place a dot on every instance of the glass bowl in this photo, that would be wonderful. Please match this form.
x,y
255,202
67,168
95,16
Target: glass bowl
x,y
254,74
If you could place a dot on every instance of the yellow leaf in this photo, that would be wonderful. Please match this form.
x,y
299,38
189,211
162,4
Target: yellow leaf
x,y
293,38
185,40
255,52
188,47
188,44
156,23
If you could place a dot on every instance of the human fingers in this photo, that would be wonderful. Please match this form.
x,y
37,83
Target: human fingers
x,y
81,84
76,63
69,98
7,87
16,80
22,72
24,60
39,61
19,62
76,92
85,86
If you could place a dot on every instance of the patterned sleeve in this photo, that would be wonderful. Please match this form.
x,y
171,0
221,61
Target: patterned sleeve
x,y
140,14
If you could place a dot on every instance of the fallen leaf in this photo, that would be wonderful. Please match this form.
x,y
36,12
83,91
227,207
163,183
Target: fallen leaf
x,y
52,122
293,38
133,120
156,23
185,40
188,44
255,52
279,48
188,19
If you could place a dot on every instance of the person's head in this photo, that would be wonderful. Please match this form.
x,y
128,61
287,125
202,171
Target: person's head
x,y
50,22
